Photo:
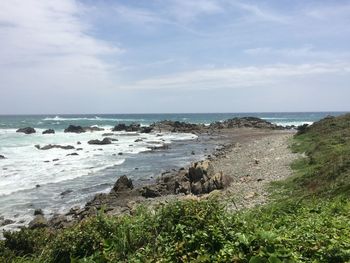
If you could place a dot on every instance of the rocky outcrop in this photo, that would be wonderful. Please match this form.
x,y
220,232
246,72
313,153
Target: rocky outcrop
x,y
27,130
123,184
39,221
176,126
128,128
49,131
245,122
74,129
100,142
52,146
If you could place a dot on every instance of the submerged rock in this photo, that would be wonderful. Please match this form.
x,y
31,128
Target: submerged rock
x,y
52,146
49,131
99,142
27,130
74,129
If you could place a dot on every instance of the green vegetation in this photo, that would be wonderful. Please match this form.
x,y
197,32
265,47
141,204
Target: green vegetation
x,y
309,220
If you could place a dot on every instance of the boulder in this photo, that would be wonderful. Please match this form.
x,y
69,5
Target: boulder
x,y
123,184
27,130
99,142
2,157
146,129
39,221
74,129
49,131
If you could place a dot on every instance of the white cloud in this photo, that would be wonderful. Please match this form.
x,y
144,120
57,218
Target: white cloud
x,y
49,39
240,77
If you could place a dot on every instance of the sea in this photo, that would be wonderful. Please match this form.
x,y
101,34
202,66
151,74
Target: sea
x,y
54,180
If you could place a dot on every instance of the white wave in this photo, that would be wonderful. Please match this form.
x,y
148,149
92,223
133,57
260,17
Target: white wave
x,y
295,123
96,118
274,118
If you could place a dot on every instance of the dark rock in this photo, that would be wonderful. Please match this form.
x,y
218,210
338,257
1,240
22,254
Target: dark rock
x,y
37,186
27,130
39,221
72,154
302,129
150,192
146,129
129,128
55,160
176,126
5,222
98,142
2,157
78,143
245,122
64,193
120,153
74,129
59,221
123,184
79,149
138,140
49,131
52,146
38,212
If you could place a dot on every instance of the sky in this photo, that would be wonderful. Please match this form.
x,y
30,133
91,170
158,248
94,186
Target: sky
x,y
173,56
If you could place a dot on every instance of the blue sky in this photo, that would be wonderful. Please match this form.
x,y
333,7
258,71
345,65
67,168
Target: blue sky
x,y
111,56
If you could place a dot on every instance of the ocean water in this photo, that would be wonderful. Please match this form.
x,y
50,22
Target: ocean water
x,y
32,178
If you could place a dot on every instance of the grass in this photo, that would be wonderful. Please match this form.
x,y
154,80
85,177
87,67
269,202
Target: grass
x,y
309,220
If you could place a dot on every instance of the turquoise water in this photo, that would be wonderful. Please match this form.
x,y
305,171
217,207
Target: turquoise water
x,y
95,168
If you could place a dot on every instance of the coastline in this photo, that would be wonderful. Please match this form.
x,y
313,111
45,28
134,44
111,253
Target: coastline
x,y
234,146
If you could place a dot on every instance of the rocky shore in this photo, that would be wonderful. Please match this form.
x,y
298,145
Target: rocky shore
x,y
253,153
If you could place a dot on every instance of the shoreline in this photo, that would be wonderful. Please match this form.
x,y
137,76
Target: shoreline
x,y
225,134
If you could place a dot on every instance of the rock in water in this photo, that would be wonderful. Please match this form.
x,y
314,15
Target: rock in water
x,y
2,157
74,129
98,142
27,130
123,184
49,131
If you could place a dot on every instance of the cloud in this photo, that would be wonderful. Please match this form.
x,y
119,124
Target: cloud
x,y
48,38
241,77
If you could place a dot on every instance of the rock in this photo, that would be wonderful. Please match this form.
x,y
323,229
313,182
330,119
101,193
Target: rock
x,y
64,193
193,153
256,161
146,129
176,126
196,188
2,157
79,149
150,192
111,139
78,143
138,140
49,131
129,128
5,222
27,130
59,221
55,160
37,146
72,154
120,153
39,221
38,212
52,146
74,129
123,184
98,142
247,122
37,186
